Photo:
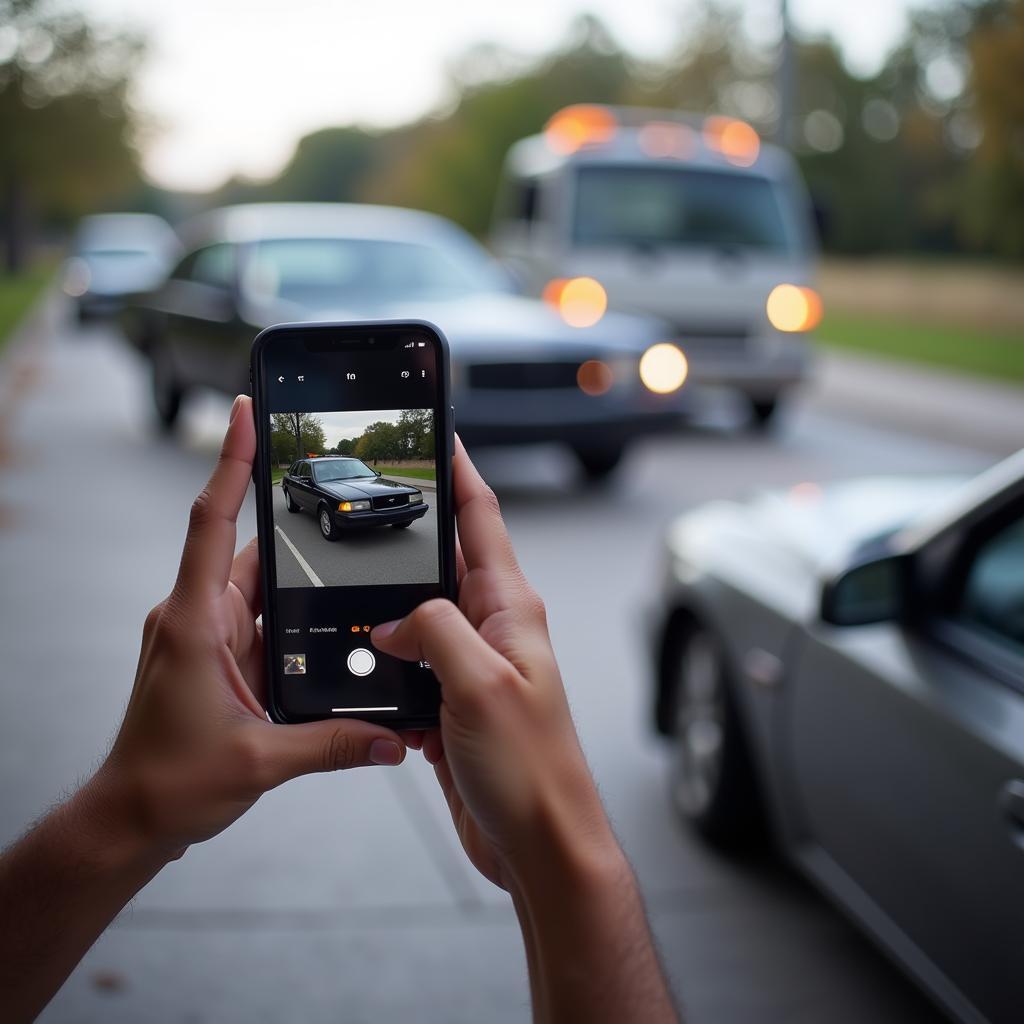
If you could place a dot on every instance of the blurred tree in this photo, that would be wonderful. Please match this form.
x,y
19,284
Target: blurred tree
x,y
66,124
345,446
451,164
993,217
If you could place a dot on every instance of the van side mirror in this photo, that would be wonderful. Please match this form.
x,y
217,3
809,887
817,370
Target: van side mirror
x,y
867,592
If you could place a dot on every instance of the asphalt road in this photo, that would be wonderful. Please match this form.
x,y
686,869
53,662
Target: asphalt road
x,y
347,897
381,555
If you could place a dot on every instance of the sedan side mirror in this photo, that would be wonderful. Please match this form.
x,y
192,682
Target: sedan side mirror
x,y
868,592
377,472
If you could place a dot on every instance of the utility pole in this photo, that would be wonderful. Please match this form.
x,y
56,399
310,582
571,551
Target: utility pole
x,y
786,81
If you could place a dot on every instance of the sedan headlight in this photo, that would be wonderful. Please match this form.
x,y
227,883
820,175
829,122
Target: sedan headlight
x,y
354,506
414,498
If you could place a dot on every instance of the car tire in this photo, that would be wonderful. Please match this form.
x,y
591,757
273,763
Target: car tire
x,y
289,502
712,780
328,528
402,526
167,392
599,464
763,412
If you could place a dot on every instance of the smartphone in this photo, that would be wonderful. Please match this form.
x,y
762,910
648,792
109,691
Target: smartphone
x,y
354,511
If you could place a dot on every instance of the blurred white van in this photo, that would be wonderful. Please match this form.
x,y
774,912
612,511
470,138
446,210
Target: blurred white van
x,y
693,220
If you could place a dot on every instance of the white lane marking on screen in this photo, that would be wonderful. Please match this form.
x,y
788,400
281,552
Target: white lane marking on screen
x,y
306,567
395,708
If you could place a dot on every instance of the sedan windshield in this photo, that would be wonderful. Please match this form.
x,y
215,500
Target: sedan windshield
x,y
340,469
655,206
359,271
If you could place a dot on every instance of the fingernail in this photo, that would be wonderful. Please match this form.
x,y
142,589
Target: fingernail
x,y
384,630
385,752
234,410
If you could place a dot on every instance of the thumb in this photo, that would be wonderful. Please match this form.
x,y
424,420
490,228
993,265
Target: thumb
x,y
293,750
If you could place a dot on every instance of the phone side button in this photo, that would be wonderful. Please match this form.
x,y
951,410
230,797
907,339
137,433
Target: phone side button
x,y
361,662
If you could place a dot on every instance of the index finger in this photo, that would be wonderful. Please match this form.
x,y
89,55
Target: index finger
x,y
483,537
210,542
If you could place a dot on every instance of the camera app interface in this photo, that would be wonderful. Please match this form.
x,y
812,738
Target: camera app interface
x,y
353,461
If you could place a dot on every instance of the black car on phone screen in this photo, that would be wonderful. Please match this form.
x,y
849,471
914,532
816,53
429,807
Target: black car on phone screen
x,y
344,493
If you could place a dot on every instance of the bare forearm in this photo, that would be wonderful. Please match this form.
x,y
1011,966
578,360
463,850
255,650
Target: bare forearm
x,y
60,886
589,948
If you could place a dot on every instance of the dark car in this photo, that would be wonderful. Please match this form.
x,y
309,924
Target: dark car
x,y
845,664
520,372
345,494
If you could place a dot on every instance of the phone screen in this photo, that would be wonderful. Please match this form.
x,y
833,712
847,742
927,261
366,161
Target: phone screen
x,y
355,517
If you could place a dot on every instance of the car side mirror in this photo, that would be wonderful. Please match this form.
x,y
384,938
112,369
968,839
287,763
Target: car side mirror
x,y
377,472
867,592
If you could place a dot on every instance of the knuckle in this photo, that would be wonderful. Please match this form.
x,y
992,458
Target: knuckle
x,y
432,614
153,619
490,500
533,606
247,755
201,508
339,751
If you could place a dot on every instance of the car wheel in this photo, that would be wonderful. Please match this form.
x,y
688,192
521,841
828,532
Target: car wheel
x,y
327,525
402,526
713,784
763,411
599,463
289,502
167,392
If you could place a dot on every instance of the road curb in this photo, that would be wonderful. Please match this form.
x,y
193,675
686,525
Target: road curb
x,y
986,415
423,485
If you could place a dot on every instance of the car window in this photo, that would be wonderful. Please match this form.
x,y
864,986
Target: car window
x,y
357,272
304,470
993,594
342,469
183,271
652,206
215,265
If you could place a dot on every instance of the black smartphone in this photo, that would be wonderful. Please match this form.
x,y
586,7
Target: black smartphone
x,y
353,477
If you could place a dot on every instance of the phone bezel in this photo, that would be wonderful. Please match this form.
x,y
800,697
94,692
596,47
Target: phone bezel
x,y
445,448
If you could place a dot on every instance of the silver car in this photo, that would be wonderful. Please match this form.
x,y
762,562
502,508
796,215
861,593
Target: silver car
x,y
521,372
842,668
691,219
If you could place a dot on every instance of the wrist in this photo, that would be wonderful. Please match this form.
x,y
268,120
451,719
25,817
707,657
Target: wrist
x,y
102,822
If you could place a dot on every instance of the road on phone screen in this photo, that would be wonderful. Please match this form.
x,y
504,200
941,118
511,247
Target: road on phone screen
x,y
347,896
364,557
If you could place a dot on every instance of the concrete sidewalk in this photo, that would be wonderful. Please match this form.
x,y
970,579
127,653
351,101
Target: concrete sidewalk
x,y
940,405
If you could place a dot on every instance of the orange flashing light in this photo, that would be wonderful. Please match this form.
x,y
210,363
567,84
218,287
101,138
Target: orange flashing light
x,y
580,301
734,139
583,124
792,308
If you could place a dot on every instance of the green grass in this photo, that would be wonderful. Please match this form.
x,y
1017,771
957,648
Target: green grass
x,y
17,294
414,472
980,351
276,475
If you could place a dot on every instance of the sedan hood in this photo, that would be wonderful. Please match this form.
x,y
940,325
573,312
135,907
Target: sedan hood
x,y
354,490
810,527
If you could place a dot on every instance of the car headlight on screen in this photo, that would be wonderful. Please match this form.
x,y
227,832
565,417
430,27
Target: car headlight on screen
x,y
354,506
414,498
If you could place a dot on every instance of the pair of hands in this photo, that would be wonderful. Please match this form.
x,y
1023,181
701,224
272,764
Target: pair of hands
x,y
195,750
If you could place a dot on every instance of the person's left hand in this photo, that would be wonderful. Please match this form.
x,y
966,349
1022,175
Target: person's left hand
x,y
195,749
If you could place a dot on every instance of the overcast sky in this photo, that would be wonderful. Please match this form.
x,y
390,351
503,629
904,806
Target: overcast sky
x,y
351,424
231,85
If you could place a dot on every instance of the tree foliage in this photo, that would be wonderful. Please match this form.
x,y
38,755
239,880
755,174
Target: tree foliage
x,y
67,125
411,436
295,435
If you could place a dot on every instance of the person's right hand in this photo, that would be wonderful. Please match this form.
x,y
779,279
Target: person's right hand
x,y
506,755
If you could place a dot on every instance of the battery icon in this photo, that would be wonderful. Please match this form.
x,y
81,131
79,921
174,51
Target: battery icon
x,y
421,344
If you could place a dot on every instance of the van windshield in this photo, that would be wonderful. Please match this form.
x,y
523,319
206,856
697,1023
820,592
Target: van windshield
x,y
669,206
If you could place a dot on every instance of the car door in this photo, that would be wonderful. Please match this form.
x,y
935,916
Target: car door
x,y
907,757
305,496
203,325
